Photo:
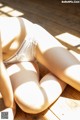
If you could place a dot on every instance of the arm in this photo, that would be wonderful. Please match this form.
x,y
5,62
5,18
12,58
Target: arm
x,y
5,84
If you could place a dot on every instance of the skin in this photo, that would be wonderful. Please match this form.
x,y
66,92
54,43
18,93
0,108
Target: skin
x,y
6,90
21,80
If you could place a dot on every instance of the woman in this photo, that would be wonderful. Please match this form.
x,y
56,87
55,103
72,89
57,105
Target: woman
x,y
23,44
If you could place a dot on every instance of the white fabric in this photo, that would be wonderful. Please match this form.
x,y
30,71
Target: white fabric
x,y
27,50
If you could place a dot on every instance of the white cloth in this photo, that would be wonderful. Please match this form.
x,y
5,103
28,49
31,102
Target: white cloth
x,y
27,50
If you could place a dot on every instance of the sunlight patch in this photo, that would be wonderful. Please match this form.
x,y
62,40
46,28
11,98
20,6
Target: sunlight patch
x,y
1,4
69,39
15,13
13,69
9,11
6,9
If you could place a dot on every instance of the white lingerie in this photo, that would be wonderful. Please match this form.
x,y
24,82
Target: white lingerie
x,y
27,50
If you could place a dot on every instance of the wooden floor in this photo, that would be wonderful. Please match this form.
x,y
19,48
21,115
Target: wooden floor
x,y
63,22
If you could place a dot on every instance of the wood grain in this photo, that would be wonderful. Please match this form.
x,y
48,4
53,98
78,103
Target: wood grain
x,y
58,19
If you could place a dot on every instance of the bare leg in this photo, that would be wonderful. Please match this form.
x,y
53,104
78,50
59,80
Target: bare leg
x,y
7,93
32,95
25,82
52,87
56,58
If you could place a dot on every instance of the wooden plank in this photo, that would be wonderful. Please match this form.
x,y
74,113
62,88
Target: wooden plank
x,y
57,19
71,9
49,116
53,24
55,15
67,104
20,115
75,54
2,106
70,41
55,30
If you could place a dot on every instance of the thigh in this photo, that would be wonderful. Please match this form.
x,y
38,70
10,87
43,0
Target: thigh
x,y
56,58
27,92
52,87
23,72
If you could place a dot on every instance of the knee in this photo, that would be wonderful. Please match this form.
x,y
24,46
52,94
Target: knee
x,y
30,105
